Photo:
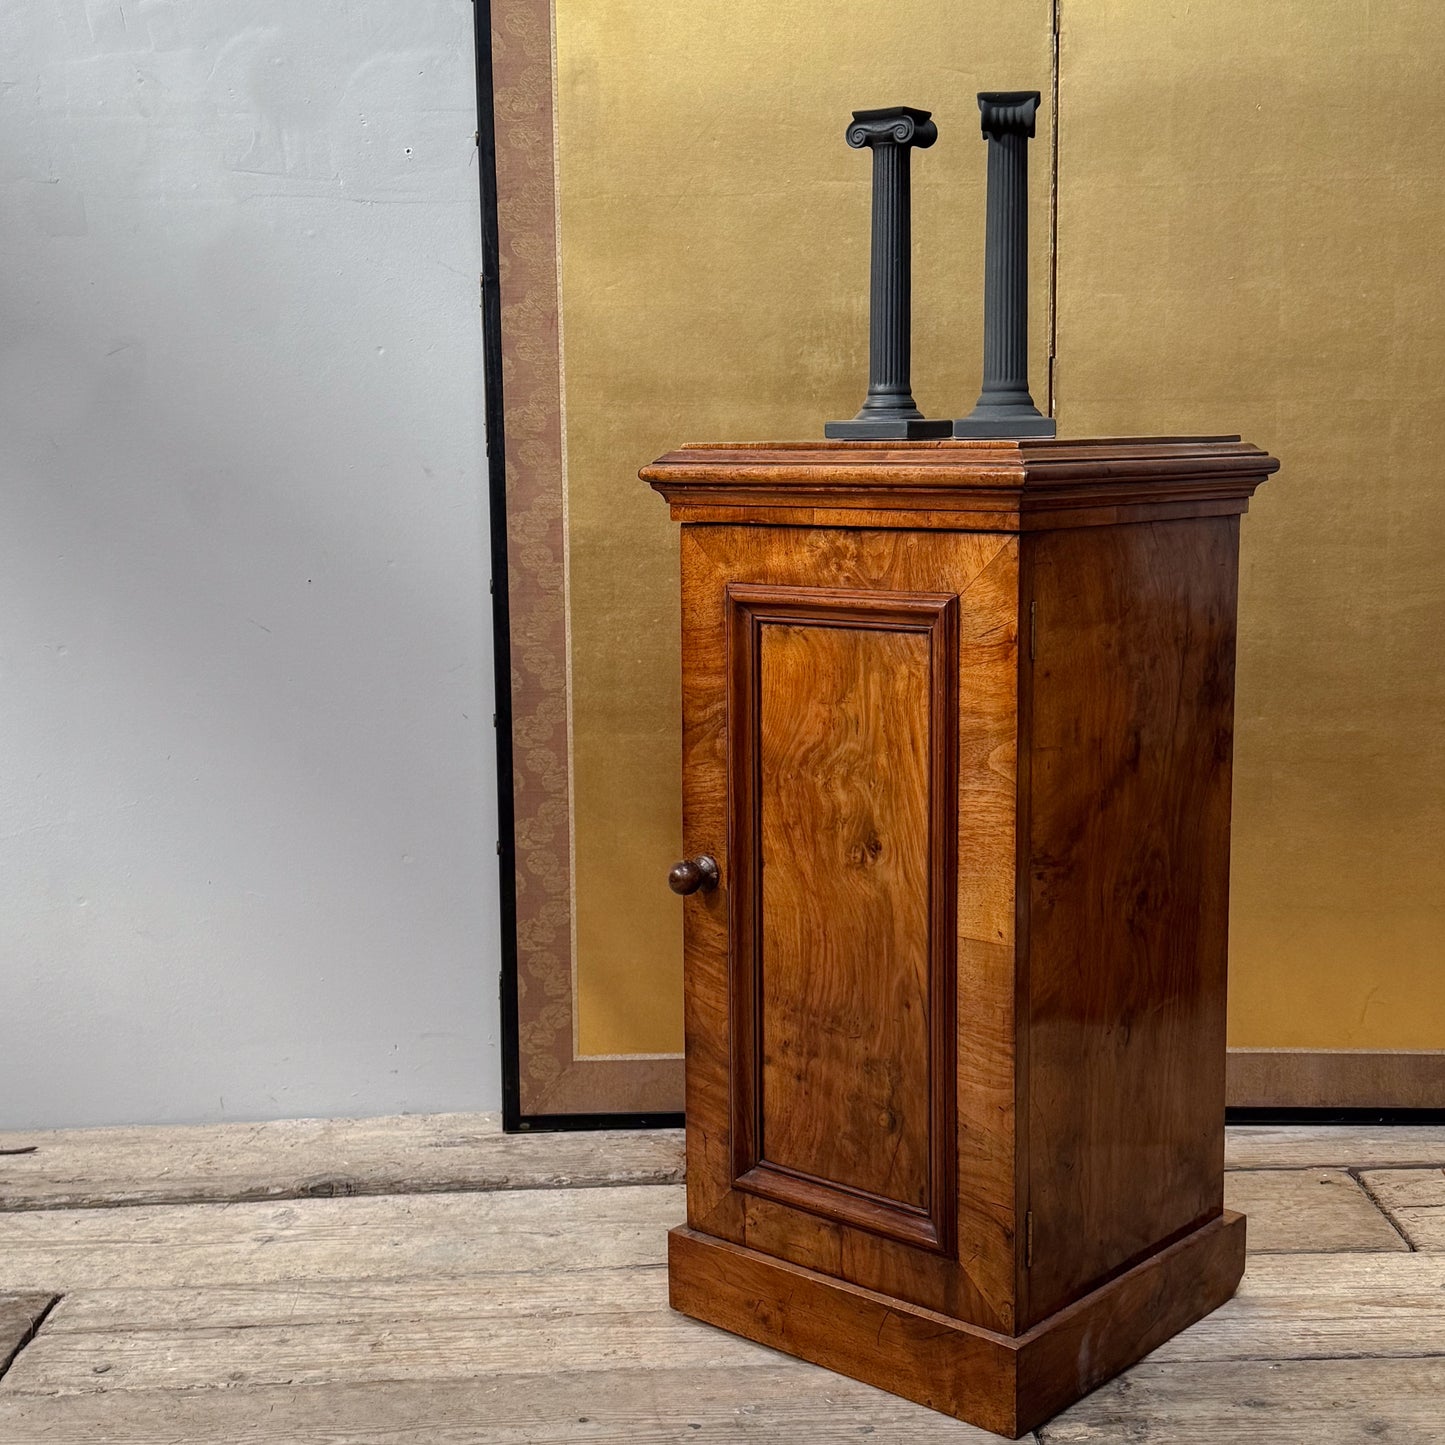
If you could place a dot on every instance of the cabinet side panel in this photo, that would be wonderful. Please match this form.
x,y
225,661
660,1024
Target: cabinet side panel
x,y
1132,694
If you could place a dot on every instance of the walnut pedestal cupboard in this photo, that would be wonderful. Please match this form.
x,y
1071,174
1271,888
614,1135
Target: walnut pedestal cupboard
x,y
957,728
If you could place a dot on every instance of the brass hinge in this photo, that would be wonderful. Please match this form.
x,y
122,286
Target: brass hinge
x,y
1029,1240
1033,630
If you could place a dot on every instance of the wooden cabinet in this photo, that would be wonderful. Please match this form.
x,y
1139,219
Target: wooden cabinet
x,y
957,732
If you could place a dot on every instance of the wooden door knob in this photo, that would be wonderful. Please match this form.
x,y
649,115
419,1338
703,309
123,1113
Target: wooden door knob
x,y
693,874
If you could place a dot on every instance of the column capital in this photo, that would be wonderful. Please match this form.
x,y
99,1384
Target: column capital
x,y
1008,112
894,125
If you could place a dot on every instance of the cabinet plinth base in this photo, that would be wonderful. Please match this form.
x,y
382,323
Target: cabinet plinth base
x,y
1008,1385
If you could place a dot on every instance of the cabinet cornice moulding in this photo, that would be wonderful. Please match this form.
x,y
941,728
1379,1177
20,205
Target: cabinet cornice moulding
x,y
1015,485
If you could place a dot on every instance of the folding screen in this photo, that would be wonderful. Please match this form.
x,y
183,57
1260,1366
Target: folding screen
x,y
683,256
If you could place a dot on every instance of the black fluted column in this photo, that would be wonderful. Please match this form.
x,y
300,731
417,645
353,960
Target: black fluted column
x,y
1005,407
889,411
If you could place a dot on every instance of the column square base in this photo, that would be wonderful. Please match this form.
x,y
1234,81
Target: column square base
x,y
1006,427
899,428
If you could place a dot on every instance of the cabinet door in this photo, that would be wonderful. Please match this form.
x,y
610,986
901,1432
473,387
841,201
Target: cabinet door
x,y
842,735
824,731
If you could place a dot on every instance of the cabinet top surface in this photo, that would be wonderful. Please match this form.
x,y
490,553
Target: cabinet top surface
x,y
1004,484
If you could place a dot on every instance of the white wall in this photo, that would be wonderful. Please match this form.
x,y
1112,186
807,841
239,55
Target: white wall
x,y
247,792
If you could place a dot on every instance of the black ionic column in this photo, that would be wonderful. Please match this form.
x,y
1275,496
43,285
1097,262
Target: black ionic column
x,y
889,410
1005,408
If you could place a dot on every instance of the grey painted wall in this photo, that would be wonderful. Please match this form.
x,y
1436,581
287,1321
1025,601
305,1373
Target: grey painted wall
x,y
247,793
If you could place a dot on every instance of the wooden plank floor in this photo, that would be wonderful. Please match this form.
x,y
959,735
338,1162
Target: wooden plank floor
x,y
302,1158
431,1281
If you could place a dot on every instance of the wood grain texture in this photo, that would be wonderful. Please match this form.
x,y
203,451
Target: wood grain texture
x,y
842,709
522,1325
844,843
1301,1146
394,1237
1263,1402
783,1400
1337,1078
1308,1210
1323,1306
570,1297
1407,1188
1414,1200
1094,1338
1000,485
1003,1383
531,1323
909,1351
924,519
980,572
991,1055
1130,716
302,1158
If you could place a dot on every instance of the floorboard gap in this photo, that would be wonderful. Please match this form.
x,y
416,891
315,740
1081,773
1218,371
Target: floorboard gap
x,y
12,1353
1357,1174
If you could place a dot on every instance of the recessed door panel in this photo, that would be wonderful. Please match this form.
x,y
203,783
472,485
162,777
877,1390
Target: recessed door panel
x,y
843,829
840,713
